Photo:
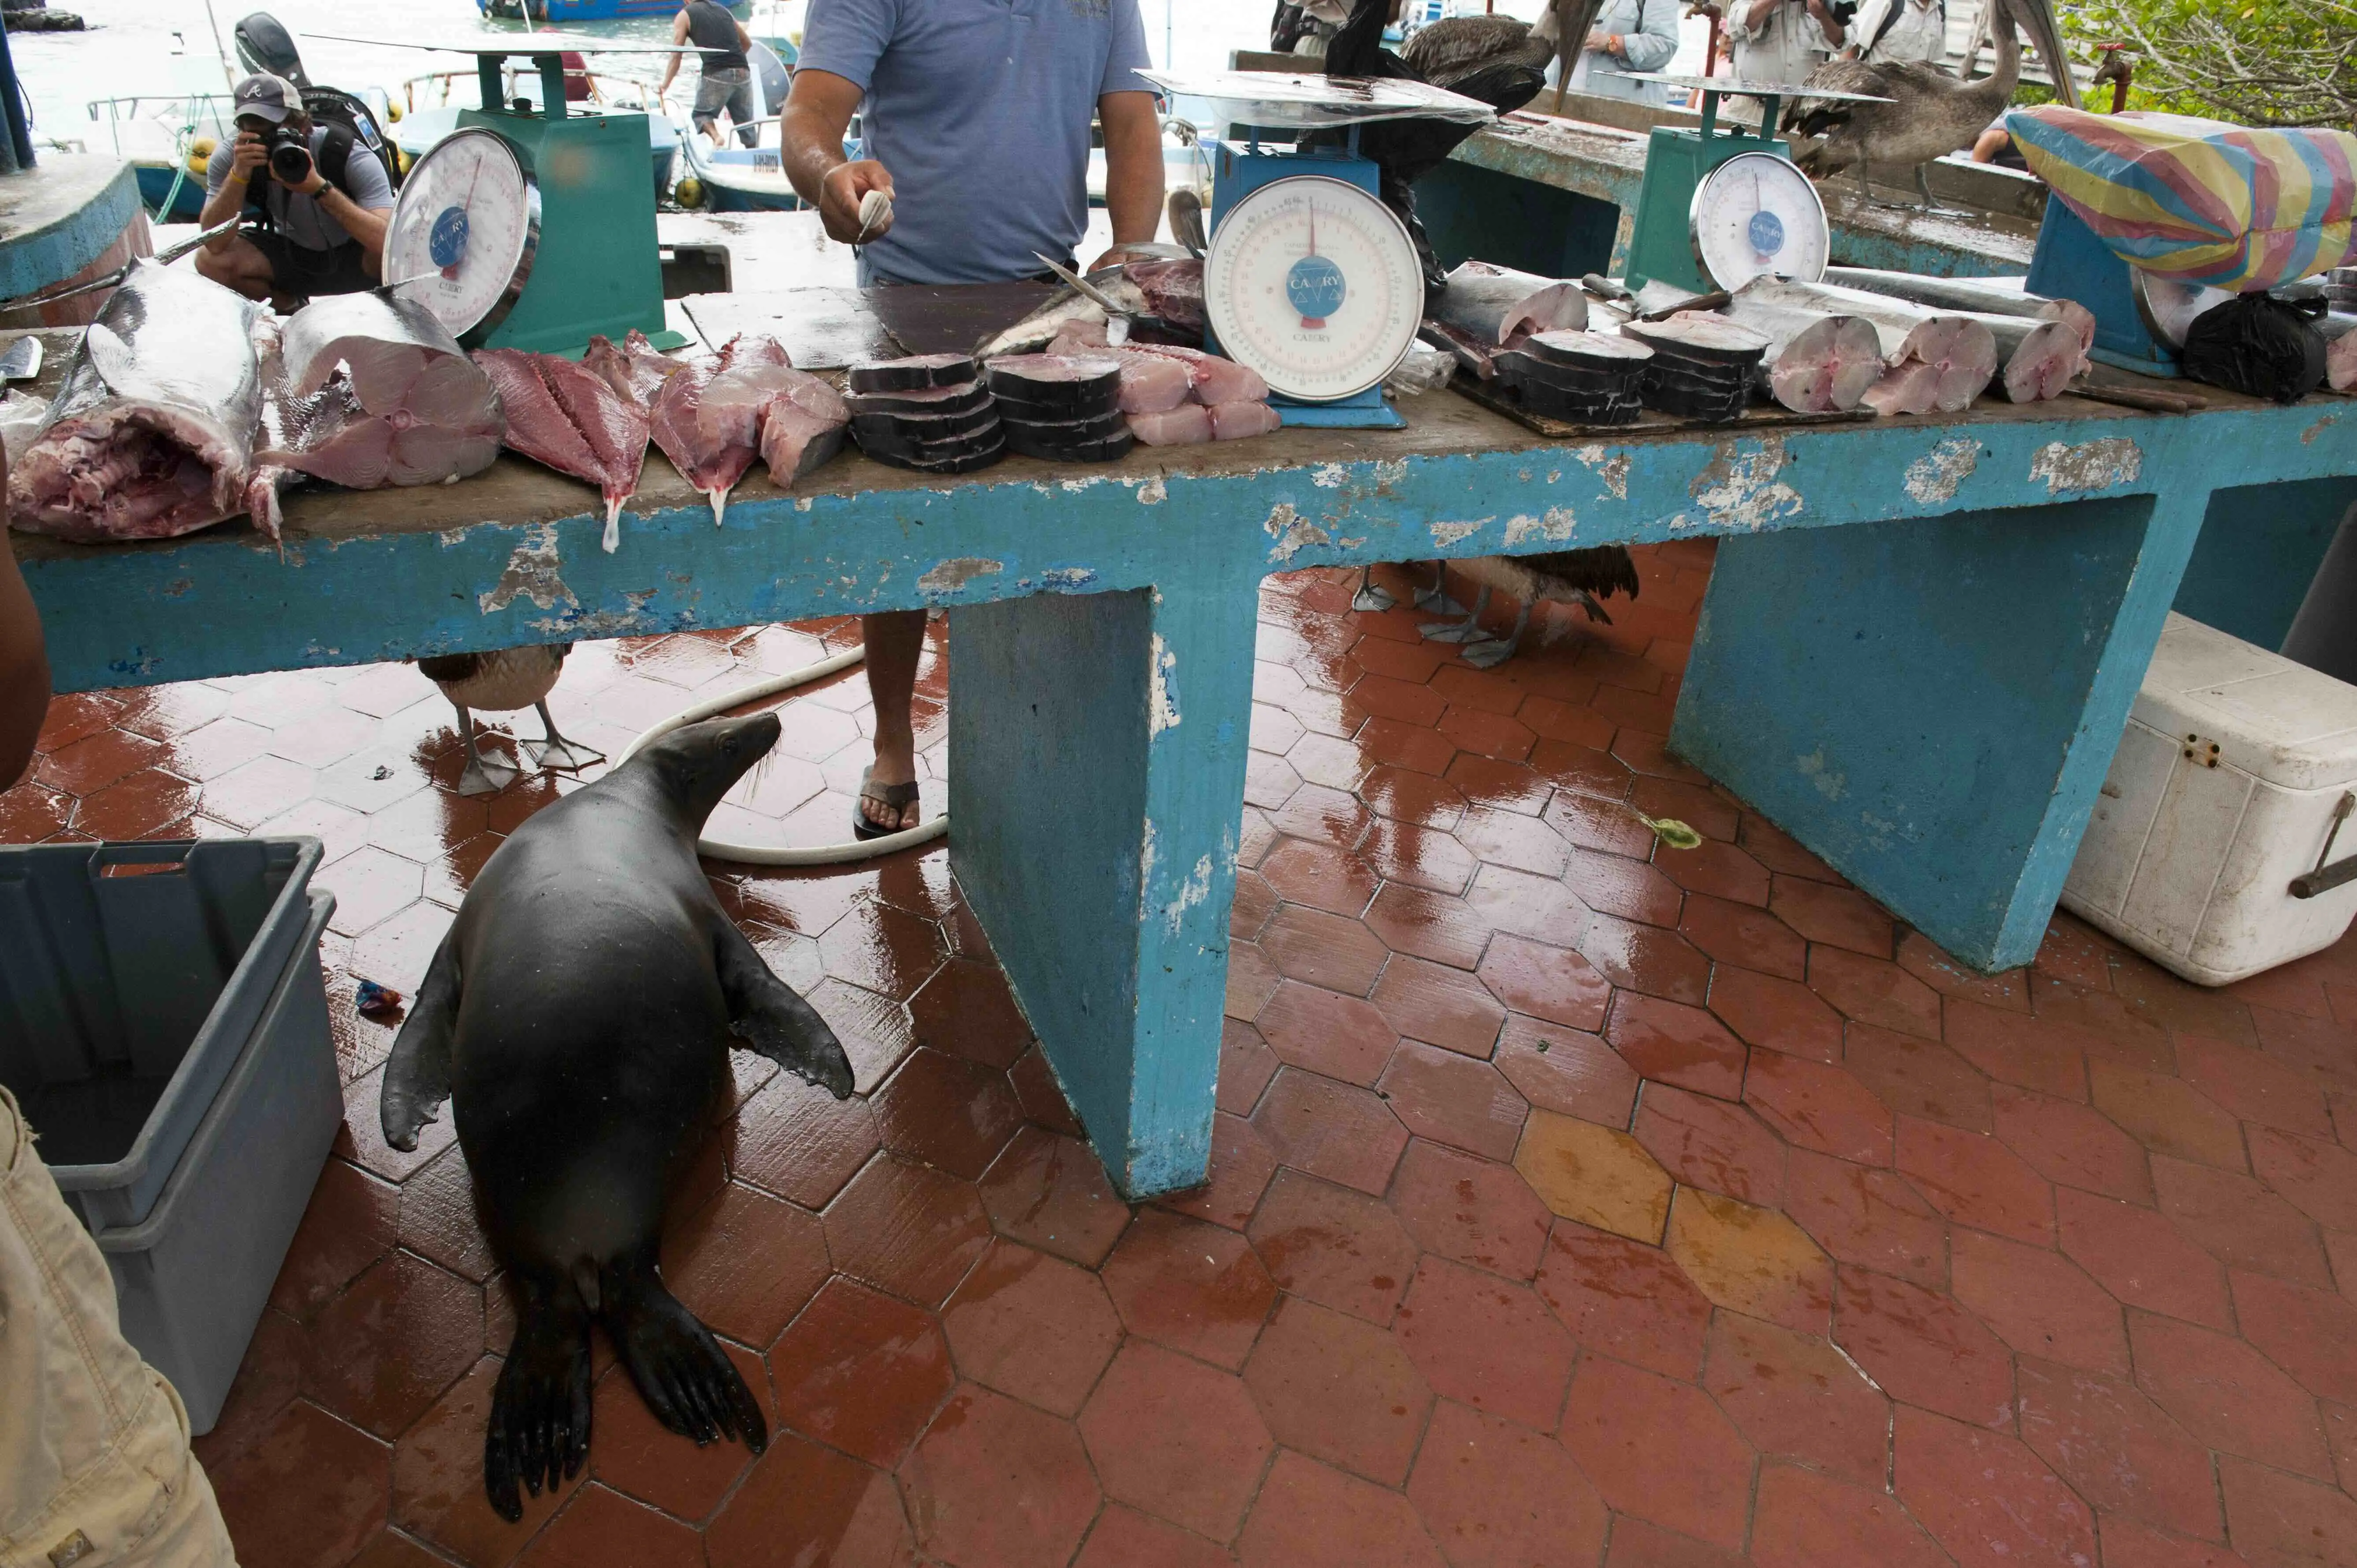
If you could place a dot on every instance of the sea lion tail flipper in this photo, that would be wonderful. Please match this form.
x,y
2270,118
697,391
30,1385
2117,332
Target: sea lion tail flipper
x,y
417,1075
766,1013
688,1381
539,1430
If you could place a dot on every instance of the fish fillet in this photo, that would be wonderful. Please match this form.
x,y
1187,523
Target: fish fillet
x,y
1212,377
1241,421
1188,425
151,436
802,426
572,420
707,416
634,366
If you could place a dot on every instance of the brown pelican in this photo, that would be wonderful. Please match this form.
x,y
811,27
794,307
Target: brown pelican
x,y
1448,50
1930,114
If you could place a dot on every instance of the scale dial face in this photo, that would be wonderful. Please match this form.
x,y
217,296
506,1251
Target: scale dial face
x,y
465,230
1314,284
1756,213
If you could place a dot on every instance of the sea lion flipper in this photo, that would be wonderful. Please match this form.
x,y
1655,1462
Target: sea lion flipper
x,y
770,1018
418,1075
538,1428
688,1381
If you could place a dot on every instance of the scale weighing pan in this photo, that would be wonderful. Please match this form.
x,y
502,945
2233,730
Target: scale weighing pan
x,y
531,227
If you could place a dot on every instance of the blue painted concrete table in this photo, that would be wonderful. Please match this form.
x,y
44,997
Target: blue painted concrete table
x,y
1920,645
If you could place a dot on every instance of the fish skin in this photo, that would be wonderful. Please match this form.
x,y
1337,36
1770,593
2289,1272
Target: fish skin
x,y
570,419
151,436
1067,304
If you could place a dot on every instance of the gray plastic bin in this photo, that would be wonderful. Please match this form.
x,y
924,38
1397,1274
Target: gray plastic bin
x,y
130,978
192,1278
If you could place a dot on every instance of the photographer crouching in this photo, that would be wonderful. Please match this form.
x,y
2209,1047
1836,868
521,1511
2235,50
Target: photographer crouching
x,y
314,202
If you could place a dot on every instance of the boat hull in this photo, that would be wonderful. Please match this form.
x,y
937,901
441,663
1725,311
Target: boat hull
x,y
155,186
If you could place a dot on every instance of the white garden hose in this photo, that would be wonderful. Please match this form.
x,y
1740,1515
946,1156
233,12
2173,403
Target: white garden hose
x,y
783,854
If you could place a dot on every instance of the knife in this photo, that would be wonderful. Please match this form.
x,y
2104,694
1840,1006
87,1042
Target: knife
x,y
1088,290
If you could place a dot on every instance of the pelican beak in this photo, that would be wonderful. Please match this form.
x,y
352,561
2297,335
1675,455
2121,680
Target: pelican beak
x,y
2036,19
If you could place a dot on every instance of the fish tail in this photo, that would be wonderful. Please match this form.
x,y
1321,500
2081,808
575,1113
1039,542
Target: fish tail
x,y
719,504
613,540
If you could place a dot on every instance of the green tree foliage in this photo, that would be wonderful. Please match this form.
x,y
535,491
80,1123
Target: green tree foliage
x,y
2257,62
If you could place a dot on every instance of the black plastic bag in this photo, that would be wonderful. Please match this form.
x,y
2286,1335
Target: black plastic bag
x,y
2257,344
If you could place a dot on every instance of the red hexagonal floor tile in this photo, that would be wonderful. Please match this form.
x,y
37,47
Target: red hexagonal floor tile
x,y
1340,1389
1177,1439
1661,1451
1486,1342
996,1484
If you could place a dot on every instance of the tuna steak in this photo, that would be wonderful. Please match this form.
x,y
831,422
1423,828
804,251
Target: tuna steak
x,y
151,436
572,420
1500,306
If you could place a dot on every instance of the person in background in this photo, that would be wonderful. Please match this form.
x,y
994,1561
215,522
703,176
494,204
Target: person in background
x,y
931,82
321,234
1994,146
1779,41
1891,31
726,78
580,87
94,1461
1628,35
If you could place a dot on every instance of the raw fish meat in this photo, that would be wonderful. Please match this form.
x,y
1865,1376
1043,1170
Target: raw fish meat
x,y
364,393
1213,378
1963,349
1475,355
1240,421
1912,388
634,368
151,436
571,419
707,418
1173,290
397,354
1816,361
801,426
1188,425
1502,306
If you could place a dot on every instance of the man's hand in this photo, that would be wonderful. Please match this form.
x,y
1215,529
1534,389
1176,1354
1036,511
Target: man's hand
x,y
311,184
247,156
1599,43
840,194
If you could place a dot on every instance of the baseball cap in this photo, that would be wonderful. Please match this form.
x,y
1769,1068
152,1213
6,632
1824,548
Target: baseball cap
x,y
267,97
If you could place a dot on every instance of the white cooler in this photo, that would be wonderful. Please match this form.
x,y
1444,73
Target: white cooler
x,y
2235,775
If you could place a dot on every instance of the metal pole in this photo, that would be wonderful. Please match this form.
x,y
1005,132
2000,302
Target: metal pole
x,y
212,25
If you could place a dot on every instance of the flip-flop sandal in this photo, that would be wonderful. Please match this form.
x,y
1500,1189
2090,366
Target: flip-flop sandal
x,y
897,797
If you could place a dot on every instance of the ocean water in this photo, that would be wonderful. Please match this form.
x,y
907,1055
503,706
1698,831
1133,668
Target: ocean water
x,y
166,48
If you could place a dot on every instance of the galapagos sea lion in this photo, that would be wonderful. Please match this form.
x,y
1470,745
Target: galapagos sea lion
x,y
579,1015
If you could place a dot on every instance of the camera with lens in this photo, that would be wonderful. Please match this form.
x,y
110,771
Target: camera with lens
x,y
290,154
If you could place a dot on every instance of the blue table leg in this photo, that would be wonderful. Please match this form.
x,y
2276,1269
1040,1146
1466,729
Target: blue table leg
x,y
2259,550
1931,704
1097,774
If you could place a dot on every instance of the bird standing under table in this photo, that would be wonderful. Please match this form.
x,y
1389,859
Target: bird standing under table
x,y
500,681
1928,113
1581,577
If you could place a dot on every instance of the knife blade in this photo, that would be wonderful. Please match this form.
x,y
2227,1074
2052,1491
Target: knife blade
x,y
22,363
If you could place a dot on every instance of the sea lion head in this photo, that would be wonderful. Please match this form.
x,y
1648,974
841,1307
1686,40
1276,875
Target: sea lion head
x,y
698,763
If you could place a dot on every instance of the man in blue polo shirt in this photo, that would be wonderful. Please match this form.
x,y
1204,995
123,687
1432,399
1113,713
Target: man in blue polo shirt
x,y
976,122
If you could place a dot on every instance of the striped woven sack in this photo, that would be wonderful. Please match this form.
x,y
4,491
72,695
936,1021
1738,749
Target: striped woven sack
x,y
2200,200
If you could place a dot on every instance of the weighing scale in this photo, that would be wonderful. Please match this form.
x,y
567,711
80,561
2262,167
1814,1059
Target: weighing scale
x,y
2072,263
1719,205
532,227
1310,279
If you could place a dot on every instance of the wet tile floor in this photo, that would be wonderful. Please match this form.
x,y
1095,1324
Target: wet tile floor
x,y
1571,1202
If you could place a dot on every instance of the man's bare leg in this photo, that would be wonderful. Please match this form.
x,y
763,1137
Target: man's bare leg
x,y
895,642
238,265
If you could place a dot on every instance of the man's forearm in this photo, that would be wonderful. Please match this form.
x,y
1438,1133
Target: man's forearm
x,y
224,204
810,150
1134,177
